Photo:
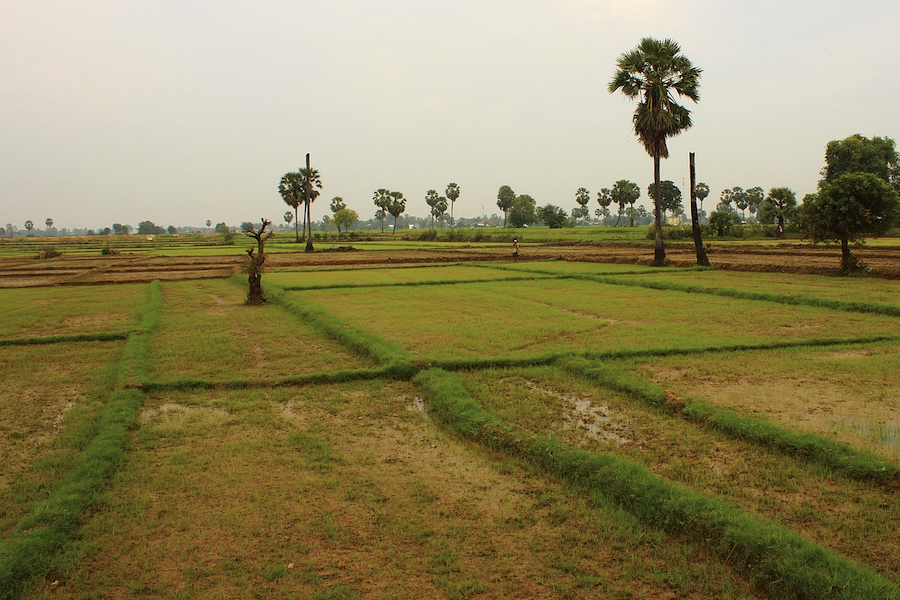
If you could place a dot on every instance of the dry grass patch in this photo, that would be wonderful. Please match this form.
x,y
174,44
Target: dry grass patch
x,y
43,390
857,519
848,394
350,490
206,331
72,310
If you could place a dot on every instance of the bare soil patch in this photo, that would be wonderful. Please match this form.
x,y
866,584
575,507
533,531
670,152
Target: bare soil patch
x,y
95,270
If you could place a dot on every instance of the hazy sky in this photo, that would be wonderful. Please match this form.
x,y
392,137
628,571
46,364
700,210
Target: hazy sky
x,y
182,111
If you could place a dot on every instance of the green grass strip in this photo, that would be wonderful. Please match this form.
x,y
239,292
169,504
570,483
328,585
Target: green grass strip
x,y
59,339
773,558
402,371
810,447
499,362
33,550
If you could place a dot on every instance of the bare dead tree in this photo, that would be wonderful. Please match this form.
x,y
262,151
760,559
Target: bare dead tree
x,y
255,264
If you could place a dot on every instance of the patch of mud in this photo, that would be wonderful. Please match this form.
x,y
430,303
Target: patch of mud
x,y
177,414
57,421
416,405
594,421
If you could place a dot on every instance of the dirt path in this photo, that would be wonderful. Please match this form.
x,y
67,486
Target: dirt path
x,y
99,270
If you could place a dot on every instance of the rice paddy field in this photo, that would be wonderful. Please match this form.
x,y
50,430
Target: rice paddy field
x,y
489,429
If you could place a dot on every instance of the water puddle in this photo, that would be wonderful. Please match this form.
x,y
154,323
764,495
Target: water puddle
x,y
593,420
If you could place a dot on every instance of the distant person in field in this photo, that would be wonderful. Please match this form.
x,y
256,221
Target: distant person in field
x,y
515,247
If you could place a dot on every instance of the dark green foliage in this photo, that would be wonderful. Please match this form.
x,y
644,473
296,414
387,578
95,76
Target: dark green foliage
x,y
523,211
553,216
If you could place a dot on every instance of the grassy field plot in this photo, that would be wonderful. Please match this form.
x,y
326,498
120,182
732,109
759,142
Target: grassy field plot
x,y
37,312
529,318
46,394
386,276
206,332
350,491
869,290
848,393
833,511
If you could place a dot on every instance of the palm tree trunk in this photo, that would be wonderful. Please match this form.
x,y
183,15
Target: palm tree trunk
x,y
659,249
702,259
309,244
297,225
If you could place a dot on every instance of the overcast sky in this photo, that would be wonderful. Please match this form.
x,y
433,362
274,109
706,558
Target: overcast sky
x,y
182,111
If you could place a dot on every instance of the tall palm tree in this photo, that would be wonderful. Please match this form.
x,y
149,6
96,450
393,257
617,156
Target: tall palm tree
x,y
431,199
291,190
452,194
382,199
652,73
396,206
312,183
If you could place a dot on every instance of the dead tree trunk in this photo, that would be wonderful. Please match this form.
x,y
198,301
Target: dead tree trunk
x,y
257,257
702,259
308,190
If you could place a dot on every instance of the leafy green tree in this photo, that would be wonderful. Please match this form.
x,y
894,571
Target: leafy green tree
x,y
582,213
652,73
119,229
452,194
381,199
171,230
220,228
625,192
505,198
721,222
553,216
288,217
523,211
702,191
29,225
857,197
778,207
396,206
337,203
49,224
725,200
859,154
146,228
290,188
670,197
345,218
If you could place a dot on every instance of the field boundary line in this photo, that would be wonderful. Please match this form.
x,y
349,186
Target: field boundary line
x,y
61,339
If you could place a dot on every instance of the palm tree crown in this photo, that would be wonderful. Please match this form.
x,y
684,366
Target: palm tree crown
x,y
652,72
